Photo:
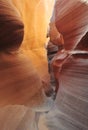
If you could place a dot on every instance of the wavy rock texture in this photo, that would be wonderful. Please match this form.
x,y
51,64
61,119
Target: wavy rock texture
x,y
70,111
20,80
72,99
71,21
11,27
17,74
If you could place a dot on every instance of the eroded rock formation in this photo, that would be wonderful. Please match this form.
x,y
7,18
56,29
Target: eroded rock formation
x,y
22,68
71,67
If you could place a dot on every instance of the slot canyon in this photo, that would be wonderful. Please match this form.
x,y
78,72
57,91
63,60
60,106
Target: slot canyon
x,y
43,65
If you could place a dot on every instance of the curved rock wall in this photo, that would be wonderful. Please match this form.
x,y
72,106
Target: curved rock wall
x,y
71,67
20,80
20,84
71,20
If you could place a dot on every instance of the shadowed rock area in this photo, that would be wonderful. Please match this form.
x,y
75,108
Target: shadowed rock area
x,y
70,66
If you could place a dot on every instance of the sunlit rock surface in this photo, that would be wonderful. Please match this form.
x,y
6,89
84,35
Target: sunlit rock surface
x,y
36,15
21,78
